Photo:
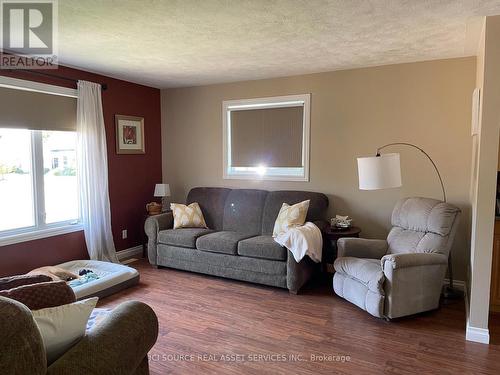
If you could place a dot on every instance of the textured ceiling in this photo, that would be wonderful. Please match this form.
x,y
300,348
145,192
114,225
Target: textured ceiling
x,y
194,42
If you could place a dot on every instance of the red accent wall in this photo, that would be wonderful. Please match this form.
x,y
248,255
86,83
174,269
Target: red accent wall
x,y
131,177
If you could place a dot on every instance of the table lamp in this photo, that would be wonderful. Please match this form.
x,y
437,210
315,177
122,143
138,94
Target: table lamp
x,y
163,191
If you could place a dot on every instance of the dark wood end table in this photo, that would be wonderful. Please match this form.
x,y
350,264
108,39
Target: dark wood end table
x,y
332,235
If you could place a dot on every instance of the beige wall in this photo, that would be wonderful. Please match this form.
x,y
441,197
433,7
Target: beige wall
x,y
483,184
352,112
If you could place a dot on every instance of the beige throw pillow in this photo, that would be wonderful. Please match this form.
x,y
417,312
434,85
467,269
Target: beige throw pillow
x,y
187,216
63,326
290,216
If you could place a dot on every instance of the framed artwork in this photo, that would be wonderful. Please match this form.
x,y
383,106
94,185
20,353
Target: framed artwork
x,y
129,135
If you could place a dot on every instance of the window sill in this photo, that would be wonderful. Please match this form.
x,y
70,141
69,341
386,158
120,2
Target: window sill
x,y
39,234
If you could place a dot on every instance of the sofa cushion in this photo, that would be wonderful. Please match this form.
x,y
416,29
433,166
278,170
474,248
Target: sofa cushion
x,y
243,211
366,271
317,206
211,201
224,242
184,237
263,247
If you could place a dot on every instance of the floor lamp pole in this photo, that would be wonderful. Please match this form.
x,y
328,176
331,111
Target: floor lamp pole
x,y
450,292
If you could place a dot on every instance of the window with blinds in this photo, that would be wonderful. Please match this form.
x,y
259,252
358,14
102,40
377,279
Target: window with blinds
x,y
38,162
267,138
22,109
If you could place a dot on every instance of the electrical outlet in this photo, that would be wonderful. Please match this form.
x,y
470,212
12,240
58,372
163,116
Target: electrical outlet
x,y
124,234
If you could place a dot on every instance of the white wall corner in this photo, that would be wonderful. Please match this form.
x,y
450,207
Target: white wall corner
x,y
480,335
473,29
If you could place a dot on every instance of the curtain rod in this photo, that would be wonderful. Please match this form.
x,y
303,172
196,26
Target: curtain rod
x,y
49,75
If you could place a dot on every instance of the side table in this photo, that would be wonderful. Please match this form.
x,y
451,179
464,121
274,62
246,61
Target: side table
x,y
332,235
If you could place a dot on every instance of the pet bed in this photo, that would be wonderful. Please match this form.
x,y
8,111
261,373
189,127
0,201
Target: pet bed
x,y
111,277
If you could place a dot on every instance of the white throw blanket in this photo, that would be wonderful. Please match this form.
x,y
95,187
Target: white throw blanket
x,y
302,241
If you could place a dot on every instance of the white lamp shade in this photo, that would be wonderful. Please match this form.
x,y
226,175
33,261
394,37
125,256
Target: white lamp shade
x,y
379,172
162,190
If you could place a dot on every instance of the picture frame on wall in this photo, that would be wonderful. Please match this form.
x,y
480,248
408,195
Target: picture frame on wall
x,y
129,135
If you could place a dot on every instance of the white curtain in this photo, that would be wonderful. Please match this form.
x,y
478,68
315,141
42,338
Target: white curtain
x,y
93,173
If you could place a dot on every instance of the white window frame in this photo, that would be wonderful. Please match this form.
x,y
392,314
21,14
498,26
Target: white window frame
x,y
269,173
40,229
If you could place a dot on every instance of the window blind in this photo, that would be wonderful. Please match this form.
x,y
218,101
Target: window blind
x,y
270,137
36,111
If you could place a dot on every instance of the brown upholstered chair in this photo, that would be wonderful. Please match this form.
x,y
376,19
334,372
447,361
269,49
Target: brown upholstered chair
x,y
117,345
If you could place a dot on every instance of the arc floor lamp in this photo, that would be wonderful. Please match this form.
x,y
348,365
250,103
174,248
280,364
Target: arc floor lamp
x,y
383,171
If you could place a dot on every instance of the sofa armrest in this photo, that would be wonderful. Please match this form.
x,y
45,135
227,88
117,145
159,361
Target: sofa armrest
x,y
118,345
152,226
297,274
396,261
361,248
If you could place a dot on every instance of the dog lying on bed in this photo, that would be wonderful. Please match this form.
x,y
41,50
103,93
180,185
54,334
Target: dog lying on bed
x,y
55,273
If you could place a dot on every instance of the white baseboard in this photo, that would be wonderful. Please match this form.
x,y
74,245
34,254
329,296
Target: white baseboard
x,y
480,335
130,252
459,284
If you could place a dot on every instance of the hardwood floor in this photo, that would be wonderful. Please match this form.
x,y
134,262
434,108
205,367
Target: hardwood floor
x,y
211,325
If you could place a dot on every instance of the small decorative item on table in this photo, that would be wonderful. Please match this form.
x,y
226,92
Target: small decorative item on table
x,y
153,208
341,222
332,234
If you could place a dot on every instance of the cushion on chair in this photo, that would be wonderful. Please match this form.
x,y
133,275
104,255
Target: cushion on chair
x,y
263,247
366,271
183,237
360,281
422,225
221,242
424,215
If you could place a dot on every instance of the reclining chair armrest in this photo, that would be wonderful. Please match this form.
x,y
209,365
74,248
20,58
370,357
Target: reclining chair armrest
x,y
396,261
413,282
118,345
361,248
152,226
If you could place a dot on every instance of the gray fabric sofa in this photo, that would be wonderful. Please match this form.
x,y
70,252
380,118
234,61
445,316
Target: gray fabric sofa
x,y
238,243
404,274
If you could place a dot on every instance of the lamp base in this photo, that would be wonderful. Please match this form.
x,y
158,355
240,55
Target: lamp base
x,y
165,204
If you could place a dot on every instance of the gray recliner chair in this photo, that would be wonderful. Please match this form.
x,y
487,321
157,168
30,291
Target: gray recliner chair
x,y
404,274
